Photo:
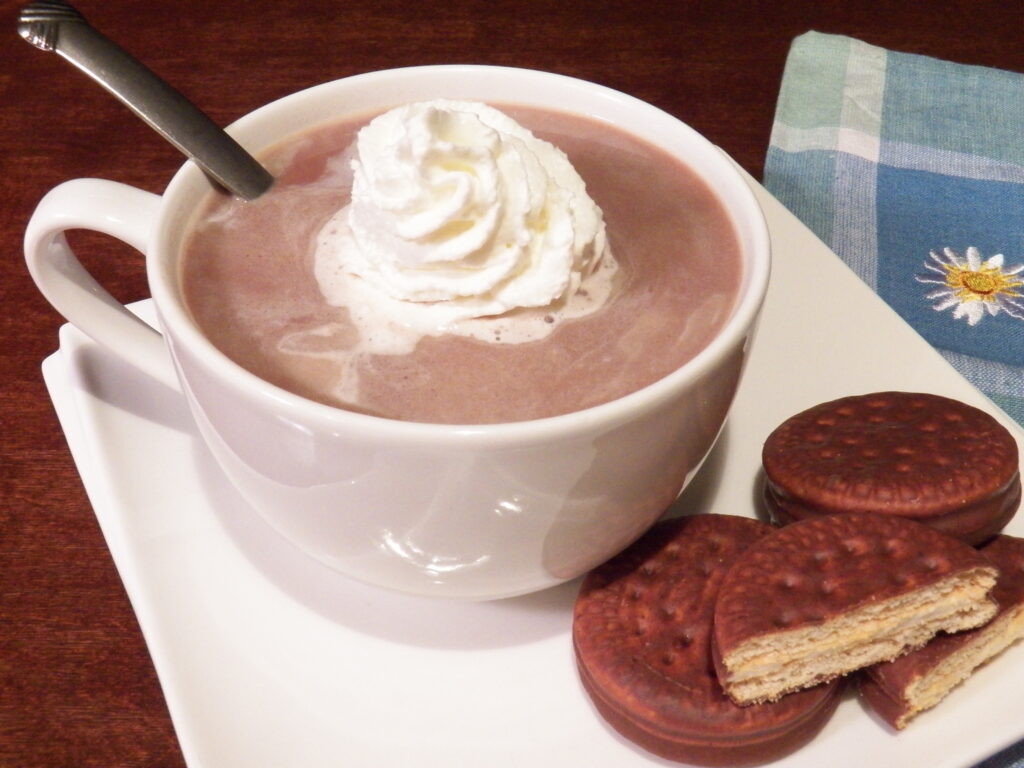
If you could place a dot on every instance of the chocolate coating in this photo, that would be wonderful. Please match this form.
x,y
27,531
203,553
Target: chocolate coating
x,y
884,686
642,638
916,455
818,569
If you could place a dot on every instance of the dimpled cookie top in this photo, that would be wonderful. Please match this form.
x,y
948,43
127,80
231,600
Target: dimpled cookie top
x,y
912,454
891,450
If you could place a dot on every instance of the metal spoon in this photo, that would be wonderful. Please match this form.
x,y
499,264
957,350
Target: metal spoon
x,y
57,26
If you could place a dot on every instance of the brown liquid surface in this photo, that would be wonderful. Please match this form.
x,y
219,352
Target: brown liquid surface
x,y
248,281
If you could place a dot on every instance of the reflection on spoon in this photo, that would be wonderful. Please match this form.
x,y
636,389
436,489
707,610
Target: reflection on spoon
x,y
56,26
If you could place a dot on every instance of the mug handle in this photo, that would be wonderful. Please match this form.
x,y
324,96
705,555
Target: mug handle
x,y
115,209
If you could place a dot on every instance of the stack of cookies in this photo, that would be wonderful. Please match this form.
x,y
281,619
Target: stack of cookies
x,y
721,640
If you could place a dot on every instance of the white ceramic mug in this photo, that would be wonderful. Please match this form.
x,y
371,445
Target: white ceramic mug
x,y
470,512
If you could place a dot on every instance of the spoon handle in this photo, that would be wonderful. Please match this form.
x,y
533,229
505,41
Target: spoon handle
x,y
57,26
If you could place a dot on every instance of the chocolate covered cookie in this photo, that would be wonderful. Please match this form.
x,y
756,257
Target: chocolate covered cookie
x,y
900,689
642,636
928,458
826,596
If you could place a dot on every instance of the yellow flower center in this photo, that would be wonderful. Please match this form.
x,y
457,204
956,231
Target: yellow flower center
x,y
983,284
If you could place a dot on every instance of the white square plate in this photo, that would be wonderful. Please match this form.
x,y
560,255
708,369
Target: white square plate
x,y
269,659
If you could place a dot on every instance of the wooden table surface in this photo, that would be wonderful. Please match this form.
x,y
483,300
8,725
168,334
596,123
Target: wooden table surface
x,y
77,687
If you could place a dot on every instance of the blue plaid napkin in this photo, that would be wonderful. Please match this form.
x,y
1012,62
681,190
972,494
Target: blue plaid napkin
x,y
912,170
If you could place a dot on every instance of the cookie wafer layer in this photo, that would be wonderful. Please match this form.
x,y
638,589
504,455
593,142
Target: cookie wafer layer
x,y
921,456
642,634
900,689
829,595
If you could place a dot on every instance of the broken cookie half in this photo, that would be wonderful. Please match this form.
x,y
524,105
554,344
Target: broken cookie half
x,y
900,689
829,595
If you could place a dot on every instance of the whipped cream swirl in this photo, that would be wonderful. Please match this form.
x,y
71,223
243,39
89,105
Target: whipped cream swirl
x,y
460,216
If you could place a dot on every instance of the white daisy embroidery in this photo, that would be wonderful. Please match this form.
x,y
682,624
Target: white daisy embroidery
x,y
973,287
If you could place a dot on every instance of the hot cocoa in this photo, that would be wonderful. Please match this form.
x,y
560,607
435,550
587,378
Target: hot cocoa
x,y
249,282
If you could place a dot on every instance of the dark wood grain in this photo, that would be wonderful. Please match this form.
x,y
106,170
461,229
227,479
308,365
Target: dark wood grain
x,y
77,686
